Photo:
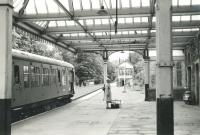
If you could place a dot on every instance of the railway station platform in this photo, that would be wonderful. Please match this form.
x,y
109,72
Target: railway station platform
x,y
89,116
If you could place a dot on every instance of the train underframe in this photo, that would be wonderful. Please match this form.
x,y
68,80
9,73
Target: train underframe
x,y
25,111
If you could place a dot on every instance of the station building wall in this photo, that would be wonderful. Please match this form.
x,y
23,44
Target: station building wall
x,y
179,79
192,60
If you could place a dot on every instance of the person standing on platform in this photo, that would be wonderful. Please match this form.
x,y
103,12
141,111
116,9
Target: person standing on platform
x,y
108,94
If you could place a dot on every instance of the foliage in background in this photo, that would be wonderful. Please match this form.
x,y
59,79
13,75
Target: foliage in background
x,y
138,63
24,42
111,71
88,66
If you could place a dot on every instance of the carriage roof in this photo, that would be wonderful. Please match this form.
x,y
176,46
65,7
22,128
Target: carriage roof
x,y
38,58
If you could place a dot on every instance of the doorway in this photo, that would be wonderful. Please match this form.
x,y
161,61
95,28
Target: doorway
x,y
189,78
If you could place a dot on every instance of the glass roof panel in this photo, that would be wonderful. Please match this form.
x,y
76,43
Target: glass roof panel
x,y
185,18
176,18
65,3
138,32
95,4
144,19
89,21
124,32
174,2
145,3
17,4
70,23
144,31
195,2
195,17
177,30
113,3
195,29
135,3
129,20
52,24
137,20
76,4
105,21
61,23
30,9
66,35
106,4
121,20
112,33
154,19
186,30
98,33
81,34
131,32
52,7
81,22
41,6
86,4
97,21
74,34
184,2
125,3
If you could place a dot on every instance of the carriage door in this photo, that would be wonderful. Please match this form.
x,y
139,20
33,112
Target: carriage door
x,y
17,82
71,81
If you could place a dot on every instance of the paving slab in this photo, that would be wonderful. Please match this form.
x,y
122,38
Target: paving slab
x,y
88,116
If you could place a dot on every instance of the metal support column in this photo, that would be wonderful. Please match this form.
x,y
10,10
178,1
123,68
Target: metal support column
x,y
5,67
146,69
165,118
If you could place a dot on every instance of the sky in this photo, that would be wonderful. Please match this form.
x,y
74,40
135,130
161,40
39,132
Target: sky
x,y
119,55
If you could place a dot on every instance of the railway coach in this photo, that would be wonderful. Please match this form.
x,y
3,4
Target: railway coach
x,y
39,84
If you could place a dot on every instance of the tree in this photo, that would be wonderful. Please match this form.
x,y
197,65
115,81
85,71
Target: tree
x,y
25,42
111,71
89,66
138,62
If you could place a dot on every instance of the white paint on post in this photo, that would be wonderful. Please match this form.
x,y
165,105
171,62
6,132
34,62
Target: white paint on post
x,y
5,49
105,73
164,48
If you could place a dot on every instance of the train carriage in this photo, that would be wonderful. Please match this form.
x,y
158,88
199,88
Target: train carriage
x,y
39,83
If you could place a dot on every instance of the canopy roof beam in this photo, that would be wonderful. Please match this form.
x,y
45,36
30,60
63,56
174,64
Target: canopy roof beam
x,y
92,14
72,17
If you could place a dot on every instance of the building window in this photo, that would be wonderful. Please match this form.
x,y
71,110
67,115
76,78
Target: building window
x,y
16,74
45,77
35,76
26,76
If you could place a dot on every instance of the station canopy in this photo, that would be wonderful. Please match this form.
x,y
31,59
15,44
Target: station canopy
x,y
80,24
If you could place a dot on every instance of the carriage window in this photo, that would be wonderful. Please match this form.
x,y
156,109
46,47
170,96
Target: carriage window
x,y
59,76
26,76
16,74
35,76
45,77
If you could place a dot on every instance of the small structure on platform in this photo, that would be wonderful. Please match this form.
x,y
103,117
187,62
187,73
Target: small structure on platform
x,y
125,74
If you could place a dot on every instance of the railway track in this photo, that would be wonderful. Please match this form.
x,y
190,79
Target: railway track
x,y
78,100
